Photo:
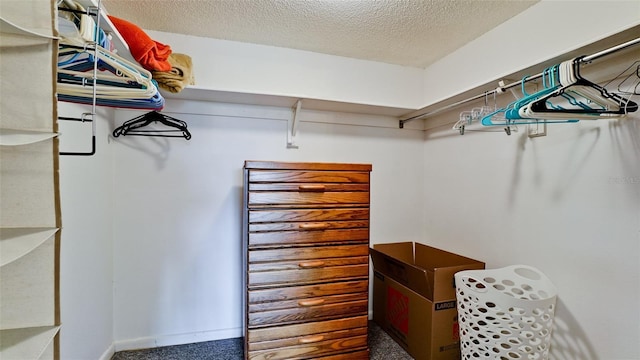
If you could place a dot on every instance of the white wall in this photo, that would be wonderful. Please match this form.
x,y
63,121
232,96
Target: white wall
x,y
567,203
258,69
177,219
86,258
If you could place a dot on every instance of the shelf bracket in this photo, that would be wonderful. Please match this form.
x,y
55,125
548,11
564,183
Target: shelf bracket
x,y
537,130
292,125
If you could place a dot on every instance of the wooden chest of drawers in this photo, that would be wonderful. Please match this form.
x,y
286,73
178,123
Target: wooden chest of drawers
x,y
306,239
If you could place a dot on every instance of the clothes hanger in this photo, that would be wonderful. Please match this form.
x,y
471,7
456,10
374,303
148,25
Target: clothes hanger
x,y
74,68
119,83
628,81
78,60
549,83
135,125
591,101
553,79
467,118
512,114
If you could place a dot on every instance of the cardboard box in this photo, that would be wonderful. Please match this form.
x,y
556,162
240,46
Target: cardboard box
x,y
414,297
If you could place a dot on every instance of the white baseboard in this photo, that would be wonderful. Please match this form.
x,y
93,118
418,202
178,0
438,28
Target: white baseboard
x,y
108,353
176,339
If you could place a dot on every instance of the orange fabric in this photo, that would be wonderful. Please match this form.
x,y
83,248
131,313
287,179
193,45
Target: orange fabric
x,y
151,54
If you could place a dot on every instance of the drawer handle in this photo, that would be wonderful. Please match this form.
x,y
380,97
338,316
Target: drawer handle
x,y
310,302
311,264
311,339
318,188
313,226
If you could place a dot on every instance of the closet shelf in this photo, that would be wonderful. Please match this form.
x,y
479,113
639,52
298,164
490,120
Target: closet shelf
x,y
26,35
27,343
10,137
208,94
17,242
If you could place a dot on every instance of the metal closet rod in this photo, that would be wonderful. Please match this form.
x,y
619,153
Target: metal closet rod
x,y
501,89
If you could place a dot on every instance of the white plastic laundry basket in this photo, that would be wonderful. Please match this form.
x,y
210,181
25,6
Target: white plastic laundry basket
x,y
505,313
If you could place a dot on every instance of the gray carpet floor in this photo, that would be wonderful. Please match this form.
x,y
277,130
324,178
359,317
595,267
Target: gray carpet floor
x,y
381,346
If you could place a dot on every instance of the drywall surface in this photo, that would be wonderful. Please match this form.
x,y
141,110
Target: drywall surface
x,y
177,228
86,258
260,69
567,203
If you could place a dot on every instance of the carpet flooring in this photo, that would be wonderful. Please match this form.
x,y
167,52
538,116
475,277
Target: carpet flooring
x,y
381,347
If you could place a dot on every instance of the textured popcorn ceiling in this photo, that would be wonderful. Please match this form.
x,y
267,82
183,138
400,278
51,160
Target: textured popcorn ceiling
x,y
405,32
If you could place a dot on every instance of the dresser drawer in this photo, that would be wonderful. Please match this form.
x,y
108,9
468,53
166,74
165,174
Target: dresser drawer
x,y
290,273
311,348
308,176
303,341
318,253
308,291
309,226
290,238
307,302
308,199
309,187
304,310
308,215
259,338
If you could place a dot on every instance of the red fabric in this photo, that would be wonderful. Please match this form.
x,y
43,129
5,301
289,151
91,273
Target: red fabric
x,y
151,54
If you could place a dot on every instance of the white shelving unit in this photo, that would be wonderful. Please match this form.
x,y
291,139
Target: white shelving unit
x,y
17,242
29,192
29,343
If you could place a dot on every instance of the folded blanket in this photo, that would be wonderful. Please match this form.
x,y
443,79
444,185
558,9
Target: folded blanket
x,y
180,75
151,54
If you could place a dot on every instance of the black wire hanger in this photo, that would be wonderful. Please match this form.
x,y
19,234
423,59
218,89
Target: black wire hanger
x,y
134,127
592,92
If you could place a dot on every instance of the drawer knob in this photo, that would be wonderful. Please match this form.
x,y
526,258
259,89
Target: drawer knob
x,y
318,188
313,226
312,302
311,264
311,339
